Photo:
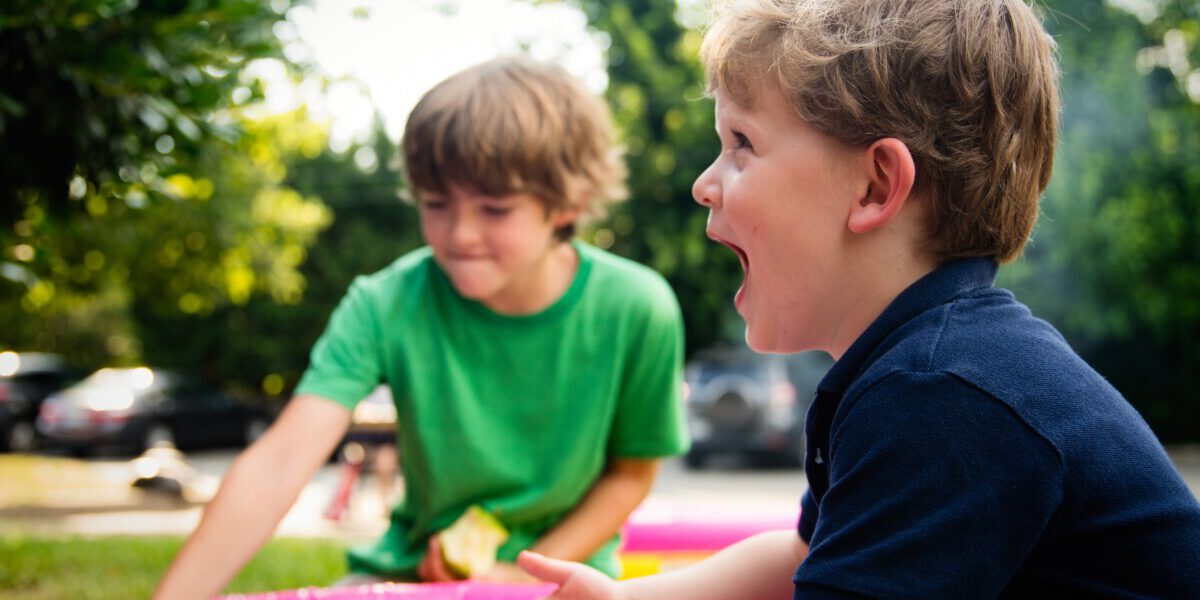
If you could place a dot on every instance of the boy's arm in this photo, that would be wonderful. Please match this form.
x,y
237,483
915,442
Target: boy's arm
x,y
602,512
757,568
255,495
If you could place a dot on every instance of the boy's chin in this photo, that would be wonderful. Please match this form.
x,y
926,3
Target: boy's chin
x,y
473,290
760,342
771,341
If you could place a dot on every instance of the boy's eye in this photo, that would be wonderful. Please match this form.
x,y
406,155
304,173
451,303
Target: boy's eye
x,y
433,204
741,141
496,210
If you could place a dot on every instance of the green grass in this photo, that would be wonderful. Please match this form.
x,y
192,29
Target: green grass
x,y
95,568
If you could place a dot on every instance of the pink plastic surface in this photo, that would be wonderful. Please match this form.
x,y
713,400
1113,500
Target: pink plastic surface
x,y
669,531
465,590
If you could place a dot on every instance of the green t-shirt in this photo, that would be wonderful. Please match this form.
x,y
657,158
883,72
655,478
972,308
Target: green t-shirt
x,y
518,414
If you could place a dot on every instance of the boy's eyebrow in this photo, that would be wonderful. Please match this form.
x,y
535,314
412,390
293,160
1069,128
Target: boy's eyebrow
x,y
740,123
723,121
734,114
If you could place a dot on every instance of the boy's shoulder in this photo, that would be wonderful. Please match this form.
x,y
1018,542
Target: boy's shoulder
x,y
611,265
954,326
414,263
995,350
990,340
407,275
620,278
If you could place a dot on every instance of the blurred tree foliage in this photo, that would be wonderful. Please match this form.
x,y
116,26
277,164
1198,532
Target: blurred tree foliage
x,y
1115,259
211,272
139,192
263,344
117,92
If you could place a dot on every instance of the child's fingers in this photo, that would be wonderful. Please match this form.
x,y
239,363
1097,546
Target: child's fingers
x,y
424,570
432,567
544,568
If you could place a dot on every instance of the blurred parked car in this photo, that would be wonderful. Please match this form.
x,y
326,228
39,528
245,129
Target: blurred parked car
x,y
140,408
25,381
752,405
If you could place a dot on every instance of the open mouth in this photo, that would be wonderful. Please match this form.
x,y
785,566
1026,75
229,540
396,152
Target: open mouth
x,y
741,254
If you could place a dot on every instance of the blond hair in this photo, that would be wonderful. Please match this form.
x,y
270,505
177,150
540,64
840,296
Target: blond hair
x,y
515,125
970,86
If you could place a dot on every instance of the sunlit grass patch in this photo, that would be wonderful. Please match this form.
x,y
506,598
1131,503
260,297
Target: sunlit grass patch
x,y
119,567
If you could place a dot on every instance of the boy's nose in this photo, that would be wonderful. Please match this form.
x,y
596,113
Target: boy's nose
x,y
706,190
464,230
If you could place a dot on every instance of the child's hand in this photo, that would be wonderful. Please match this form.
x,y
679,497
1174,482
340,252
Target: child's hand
x,y
432,567
575,581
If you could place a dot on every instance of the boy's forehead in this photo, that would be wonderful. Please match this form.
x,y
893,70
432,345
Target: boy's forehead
x,y
726,107
769,103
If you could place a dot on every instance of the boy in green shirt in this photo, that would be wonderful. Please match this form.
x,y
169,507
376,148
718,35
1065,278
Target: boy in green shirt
x,y
533,375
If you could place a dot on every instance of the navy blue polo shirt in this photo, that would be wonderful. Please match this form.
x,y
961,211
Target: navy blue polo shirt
x,y
961,449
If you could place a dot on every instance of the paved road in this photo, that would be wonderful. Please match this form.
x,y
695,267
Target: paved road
x,y
678,492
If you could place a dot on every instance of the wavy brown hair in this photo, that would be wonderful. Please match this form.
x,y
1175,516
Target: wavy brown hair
x,y
970,86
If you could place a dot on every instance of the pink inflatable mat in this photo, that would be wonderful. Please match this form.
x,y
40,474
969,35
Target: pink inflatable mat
x,y
464,590
658,530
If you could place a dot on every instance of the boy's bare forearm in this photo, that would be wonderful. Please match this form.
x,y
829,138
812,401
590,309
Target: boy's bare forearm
x,y
602,511
256,493
237,522
758,568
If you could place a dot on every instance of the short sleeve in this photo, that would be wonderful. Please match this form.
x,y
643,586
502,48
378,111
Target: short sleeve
x,y
936,490
649,420
345,363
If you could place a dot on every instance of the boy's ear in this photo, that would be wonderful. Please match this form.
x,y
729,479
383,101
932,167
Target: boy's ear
x,y
891,173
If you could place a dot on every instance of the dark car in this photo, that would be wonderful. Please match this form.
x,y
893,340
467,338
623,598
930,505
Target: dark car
x,y
25,380
751,405
139,408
